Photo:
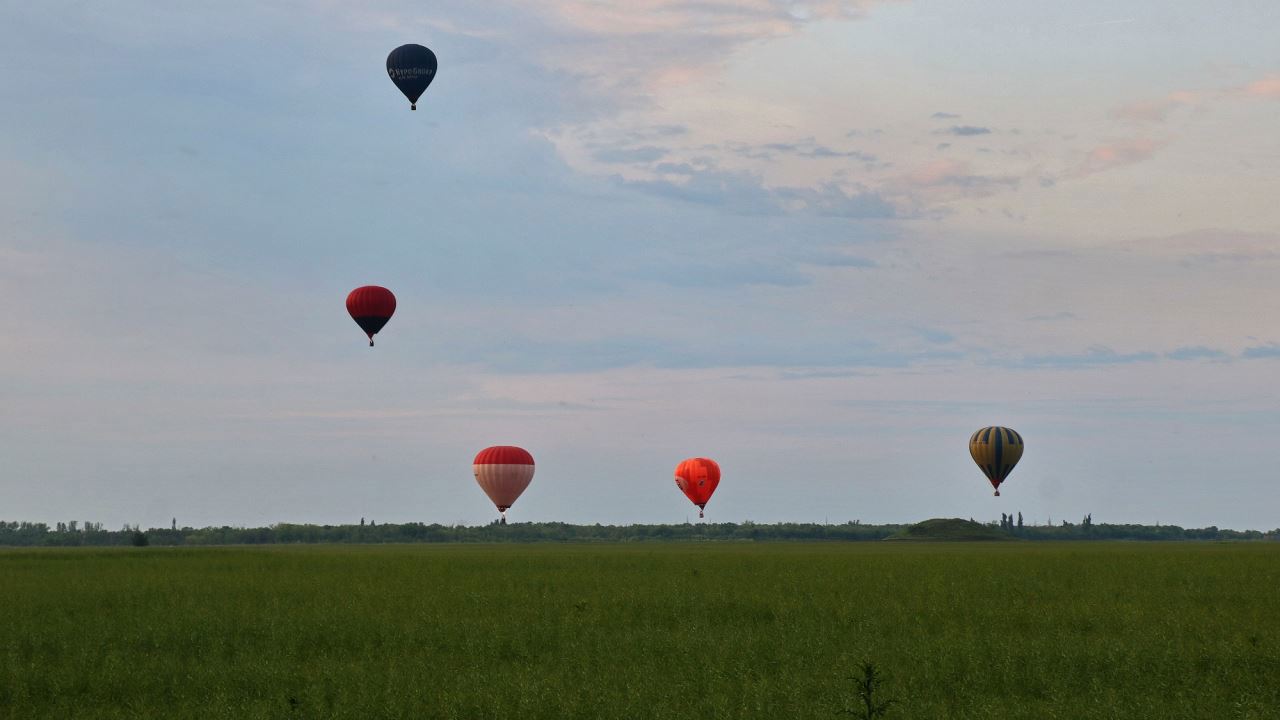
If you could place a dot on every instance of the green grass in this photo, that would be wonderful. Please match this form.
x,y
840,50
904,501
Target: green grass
x,y
997,630
950,530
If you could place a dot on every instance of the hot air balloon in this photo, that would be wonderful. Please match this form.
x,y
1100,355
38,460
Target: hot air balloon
x,y
996,450
698,478
371,307
412,68
503,471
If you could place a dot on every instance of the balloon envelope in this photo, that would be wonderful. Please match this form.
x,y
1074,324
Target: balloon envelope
x,y
412,68
503,472
996,450
371,307
697,478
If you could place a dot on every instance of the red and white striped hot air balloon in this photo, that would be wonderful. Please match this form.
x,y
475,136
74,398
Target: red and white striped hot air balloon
x,y
503,472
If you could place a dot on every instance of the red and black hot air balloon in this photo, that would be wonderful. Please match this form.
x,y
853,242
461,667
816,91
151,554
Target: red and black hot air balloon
x,y
503,472
371,307
698,478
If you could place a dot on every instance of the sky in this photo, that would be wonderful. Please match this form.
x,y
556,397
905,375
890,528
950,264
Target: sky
x,y
819,242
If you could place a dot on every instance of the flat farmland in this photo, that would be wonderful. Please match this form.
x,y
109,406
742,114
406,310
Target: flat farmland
x,y
711,630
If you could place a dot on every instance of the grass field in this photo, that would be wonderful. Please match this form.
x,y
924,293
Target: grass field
x,y
1009,630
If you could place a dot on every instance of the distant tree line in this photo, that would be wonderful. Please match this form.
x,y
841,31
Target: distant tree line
x,y
91,534
1086,529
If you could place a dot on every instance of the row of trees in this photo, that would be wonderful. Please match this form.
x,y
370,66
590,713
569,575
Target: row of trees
x,y
1087,530
92,534
29,534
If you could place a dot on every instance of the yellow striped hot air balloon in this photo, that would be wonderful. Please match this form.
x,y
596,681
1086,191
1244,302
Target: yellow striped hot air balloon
x,y
996,450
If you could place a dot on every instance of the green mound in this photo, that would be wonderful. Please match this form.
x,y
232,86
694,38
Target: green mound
x,y
953,529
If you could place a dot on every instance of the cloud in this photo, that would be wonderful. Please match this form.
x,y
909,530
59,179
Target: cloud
x,y
944,116
965,130
1262,351
933,335
1119,153
744,192
831,200
1051,317
821,151
1155,111
737,19
802,148
659,131
1198,352
670,168
652,44
736,274
628,61
836,259
954,173
1159,110
1242,255
623,155
945,180
820,374
1097,355
1268,87
659,349
1211,247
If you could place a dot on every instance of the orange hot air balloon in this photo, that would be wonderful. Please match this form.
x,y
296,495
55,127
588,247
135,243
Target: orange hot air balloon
x,y
698,478
503,471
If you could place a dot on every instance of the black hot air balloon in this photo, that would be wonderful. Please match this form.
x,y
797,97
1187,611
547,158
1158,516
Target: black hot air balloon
x,y
412,68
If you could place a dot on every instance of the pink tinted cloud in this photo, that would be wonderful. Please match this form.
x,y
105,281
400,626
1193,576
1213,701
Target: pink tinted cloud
x,y
1154,111
648,44
937,172
1268,87
945,180
745,19
1118,153
1157,111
